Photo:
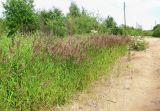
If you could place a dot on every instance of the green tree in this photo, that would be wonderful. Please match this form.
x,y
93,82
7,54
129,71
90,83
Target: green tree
x,y
43,17
80,22
20,16
74,11
110,23
84,12
108,26
57,24
85,23
52,22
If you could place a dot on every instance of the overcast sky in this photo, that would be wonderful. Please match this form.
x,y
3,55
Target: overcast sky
x,y
143,12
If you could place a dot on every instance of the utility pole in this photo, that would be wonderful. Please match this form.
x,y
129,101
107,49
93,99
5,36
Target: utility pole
x,y
125,33
125,18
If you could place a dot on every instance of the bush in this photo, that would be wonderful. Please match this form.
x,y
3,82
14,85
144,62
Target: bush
x,y
138,44
147,33
156,32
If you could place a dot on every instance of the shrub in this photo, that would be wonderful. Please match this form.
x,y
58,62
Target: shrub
x,y
156,32
138,44
156,26
148,33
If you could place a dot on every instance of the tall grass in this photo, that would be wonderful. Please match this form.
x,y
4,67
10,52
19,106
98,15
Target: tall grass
x,y
43,72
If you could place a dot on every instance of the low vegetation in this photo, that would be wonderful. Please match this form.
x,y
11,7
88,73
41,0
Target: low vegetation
x,y
42,72
156,31
139,44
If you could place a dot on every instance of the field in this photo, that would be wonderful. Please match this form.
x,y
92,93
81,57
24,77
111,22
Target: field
x,y
42,72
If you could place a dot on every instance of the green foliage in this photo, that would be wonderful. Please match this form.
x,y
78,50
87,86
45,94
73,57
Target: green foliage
x,y
52,22
32,76
118,31
19,15
108,26
80,22
74,11
156,31
157,26
57,24
84,24
110,23
70,26
131,31
2,26
44,16
147,33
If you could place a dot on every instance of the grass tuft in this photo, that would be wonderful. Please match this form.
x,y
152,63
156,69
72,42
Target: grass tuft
x,y
42,72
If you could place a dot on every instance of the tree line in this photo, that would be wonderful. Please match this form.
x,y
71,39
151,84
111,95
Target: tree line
x,y
21,17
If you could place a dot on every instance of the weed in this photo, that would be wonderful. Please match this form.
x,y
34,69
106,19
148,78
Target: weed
x,y
139,44
40,72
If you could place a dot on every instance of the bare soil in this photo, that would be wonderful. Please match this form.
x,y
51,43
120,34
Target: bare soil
x,y
133,86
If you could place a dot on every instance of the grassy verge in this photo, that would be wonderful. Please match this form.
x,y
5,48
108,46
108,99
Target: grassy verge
x,y
40,72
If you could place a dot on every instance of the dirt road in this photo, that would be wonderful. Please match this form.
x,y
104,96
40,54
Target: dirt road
x,y
134,86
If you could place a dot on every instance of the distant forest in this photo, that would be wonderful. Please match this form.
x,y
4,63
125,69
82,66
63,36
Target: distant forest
x,y
21,17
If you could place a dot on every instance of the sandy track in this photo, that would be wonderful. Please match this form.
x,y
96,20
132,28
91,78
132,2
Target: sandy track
x,y
134,86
